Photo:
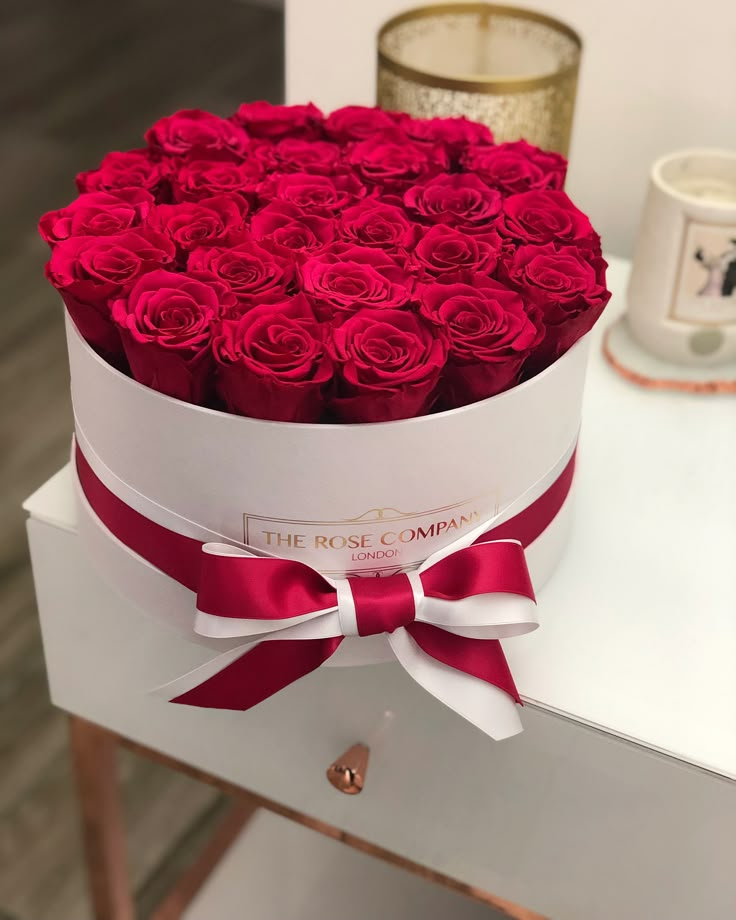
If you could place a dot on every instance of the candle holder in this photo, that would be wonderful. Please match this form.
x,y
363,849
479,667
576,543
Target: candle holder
x,y
679,331
511,69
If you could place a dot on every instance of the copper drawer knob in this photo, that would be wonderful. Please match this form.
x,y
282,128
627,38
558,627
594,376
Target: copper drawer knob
x,y
347,773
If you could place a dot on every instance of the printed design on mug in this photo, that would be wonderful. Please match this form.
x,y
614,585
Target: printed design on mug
x,y
705,291
380,541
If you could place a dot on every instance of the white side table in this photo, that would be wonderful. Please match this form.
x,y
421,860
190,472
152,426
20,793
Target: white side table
x,y
616,801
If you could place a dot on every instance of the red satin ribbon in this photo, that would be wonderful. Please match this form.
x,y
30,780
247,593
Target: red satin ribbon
x,y
374,612
240,586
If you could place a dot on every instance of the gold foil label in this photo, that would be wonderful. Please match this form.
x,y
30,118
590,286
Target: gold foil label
x,y
381,541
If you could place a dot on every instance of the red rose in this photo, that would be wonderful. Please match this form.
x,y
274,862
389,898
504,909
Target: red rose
x,y
513,168
166,326
197,179
388,364
235,307
88,271
289,232
567,285
454,134
247,268
348,278
262,119
96,214
316,194
443,250
271,363
192,131
318,157
489,335
394,165
553,165
358,123
262,152
457,199
373,223
546,217
218,221
94,268
132,169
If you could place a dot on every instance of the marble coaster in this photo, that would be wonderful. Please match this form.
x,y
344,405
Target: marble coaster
x,y
629,359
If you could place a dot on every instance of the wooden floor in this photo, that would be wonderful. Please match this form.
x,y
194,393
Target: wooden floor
x,y
80,78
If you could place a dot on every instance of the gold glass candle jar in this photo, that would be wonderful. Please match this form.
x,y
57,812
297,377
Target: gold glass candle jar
x,y
514,70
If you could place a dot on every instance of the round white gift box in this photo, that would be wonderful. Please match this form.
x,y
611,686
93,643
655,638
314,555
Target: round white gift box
x,y
345,499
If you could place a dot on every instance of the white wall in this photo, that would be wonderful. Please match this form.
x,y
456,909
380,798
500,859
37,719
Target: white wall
x,y
657,75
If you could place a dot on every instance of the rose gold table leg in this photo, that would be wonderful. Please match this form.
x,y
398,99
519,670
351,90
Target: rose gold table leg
x,y
195,876
93,753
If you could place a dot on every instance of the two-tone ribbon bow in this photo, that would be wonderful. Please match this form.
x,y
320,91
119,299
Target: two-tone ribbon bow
x,y
443,621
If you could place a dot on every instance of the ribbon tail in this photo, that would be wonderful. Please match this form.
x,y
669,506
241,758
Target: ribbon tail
x,y
470,676
247,675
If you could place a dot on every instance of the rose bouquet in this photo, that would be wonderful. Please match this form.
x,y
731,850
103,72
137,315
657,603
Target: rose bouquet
x,y
280,267
358,267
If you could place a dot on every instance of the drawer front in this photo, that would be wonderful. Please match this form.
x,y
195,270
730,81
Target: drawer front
x,y
562,819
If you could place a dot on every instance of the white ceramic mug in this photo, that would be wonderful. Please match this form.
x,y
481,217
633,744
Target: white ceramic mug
x,y
682,292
